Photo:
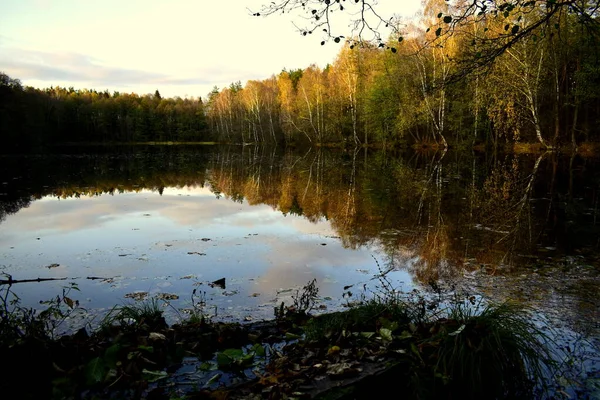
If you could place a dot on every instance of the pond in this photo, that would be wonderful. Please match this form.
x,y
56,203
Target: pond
x,y
129,223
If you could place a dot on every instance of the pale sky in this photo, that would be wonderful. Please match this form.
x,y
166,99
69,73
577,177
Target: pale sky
x,y
180,47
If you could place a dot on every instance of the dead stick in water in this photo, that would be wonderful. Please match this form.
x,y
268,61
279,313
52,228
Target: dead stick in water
x,y
10,281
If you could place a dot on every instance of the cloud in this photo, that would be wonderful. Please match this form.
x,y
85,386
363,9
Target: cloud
x,y
55,69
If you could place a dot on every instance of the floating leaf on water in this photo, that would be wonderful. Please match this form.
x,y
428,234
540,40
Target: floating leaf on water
x,y
136,295
153,376
227,357
52,265
223,361
213,379
167,296
207,366
259,350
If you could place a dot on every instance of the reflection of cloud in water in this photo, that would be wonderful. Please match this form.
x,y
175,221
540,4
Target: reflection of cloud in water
x,y
195,207
303,225
293,264
62,215
69,215
140,236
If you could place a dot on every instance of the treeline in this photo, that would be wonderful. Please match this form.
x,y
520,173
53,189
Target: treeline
x,y
32,117
436,82
541,89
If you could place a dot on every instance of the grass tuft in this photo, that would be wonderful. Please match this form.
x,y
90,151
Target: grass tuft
x,y
147,312
495,350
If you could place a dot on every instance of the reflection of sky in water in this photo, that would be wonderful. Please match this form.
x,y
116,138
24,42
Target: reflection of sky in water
x,y
144,240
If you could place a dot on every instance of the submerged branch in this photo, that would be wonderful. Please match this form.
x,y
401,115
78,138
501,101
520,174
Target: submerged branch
x,y
10,280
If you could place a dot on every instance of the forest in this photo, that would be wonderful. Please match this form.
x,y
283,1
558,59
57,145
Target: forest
x,y
433,82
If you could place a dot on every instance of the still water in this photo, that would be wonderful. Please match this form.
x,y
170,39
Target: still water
x,y
163,221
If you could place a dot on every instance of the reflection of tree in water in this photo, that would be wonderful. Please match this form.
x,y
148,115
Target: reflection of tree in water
x,y
11,206
433,213
424,245
502,208
433,263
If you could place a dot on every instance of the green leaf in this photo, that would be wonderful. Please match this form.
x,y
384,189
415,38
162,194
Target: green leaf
x,y
405,335
228,357
95,371
234,353
386,334
438,31
111,355
440,15
223,361
153,376
515,29
246,360
207,366
400,39
415,350
259,350
447,19
291,336
149,349
213,379
367,335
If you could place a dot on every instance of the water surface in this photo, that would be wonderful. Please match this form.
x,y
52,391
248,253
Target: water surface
x,y
161,221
